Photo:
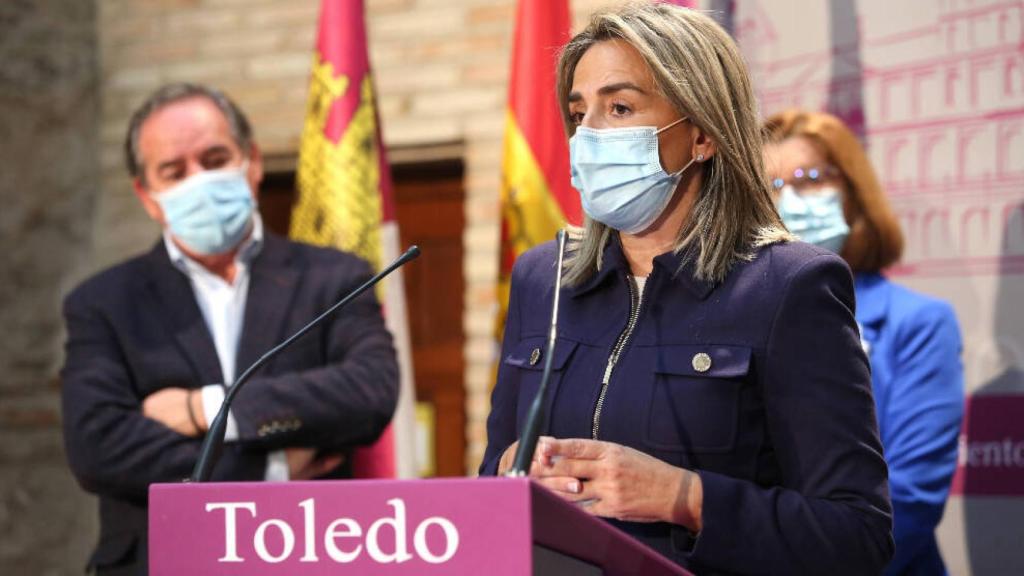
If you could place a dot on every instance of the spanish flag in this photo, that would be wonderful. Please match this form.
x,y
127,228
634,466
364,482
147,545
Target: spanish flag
x,y
537,198
345,199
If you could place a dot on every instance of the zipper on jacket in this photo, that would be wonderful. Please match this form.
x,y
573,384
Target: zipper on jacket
x,y
620,344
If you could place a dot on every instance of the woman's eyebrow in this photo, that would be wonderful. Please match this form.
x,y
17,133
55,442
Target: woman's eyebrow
x,y
609,89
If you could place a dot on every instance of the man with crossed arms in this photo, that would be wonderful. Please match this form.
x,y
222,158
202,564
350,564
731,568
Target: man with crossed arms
x,y
153,342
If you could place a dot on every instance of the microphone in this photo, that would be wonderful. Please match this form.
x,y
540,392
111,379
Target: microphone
x,y
535,417
209,453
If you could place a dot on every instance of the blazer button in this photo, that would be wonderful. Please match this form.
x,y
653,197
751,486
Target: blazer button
x,y
534,356
701,362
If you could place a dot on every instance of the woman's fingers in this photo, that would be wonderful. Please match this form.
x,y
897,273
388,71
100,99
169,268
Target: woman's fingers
x,y
577,448
565,486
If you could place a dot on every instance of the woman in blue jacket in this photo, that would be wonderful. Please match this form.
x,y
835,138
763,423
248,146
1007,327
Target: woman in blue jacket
x,y
828,194
710,394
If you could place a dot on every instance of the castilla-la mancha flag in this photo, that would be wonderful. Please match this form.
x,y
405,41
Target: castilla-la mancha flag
x,y
537,198
345,199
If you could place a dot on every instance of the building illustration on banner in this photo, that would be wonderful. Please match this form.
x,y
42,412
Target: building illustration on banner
x,y
949,153
936,90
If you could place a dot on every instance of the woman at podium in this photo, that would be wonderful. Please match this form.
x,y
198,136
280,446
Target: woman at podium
x,y
709,392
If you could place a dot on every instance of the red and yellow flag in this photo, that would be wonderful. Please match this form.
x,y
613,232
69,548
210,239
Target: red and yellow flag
x,y
536,195
345,198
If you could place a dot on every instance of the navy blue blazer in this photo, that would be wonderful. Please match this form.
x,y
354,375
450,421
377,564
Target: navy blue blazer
x,y
136,328
914,345
780,426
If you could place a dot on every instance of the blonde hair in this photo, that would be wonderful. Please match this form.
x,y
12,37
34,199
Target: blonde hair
x,y
875,240
699,69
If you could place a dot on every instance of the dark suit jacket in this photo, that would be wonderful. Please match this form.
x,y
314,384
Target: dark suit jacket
x,y
780,424
136,328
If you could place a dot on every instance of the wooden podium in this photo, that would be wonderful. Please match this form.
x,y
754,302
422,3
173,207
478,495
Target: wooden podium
x,y
489,526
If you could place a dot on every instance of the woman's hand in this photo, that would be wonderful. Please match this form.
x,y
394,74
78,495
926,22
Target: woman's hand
x,y
615,481
506,458
557,483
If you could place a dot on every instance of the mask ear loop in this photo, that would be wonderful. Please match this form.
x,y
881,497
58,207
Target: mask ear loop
x,y
697,158
660,130
679,172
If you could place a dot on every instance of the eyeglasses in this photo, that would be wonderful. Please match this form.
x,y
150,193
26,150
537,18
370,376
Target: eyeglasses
x,y
807,179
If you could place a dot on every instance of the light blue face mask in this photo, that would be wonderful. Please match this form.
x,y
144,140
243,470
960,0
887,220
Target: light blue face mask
x,y
619,175
209,211
816,218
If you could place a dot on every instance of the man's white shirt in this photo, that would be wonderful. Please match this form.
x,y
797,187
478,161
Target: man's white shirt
x,y
223,307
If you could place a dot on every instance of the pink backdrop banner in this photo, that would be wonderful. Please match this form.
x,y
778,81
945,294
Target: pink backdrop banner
x,y
991,447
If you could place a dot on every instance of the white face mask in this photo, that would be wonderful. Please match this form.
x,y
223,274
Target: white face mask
x,y
209,211
816,218
619,175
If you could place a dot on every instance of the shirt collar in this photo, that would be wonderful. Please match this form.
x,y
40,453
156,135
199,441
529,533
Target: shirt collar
x,y
676,265
249,249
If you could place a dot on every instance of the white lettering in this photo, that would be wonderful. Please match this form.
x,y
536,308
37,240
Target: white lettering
x,y
309,530
352,530
230,526
342,529
991,454
260,542
1005,453
398,525
451,539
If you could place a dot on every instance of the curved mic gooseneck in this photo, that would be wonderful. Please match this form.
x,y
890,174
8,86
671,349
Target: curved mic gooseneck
x,y
535,417
209,453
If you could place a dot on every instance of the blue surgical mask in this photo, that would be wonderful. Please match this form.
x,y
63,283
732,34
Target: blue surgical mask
x,y
816,218
619,175
209,211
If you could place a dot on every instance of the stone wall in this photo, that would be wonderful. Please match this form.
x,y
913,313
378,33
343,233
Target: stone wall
x,y
49,106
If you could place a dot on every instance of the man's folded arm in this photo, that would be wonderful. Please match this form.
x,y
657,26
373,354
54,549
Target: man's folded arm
x,y
347,402
112,448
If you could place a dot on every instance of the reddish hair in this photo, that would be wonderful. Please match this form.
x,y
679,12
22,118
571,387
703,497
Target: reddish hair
x,y
875,240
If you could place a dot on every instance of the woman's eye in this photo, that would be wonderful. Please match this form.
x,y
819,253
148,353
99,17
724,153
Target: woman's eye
x,y
620,109
576,117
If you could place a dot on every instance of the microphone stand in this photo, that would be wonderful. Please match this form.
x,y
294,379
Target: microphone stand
x,y
535,417
209,453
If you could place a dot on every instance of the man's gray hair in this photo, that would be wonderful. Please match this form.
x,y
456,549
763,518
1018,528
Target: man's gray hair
x,y
241,131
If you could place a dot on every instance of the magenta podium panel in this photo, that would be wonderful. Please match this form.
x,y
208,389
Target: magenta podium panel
x,y
490,526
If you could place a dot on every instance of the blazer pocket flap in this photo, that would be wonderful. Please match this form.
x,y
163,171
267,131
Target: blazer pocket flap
x,y
704,361
529,353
